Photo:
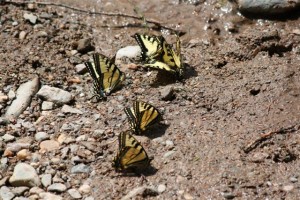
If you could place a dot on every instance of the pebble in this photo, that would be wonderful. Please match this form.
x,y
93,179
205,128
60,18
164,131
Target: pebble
x,y
259,157
4,121
24,94
161,188
188,196
15,147
85,45
41,136
30,17
11,94
47,105
89,198
267,7
49,196
81,168
46,180
22,35
6,194
55,95
167,93
168,154
35,190
23,154
49,145
57,187
228,195
80,69
85,189
15,23
139,191
74,194
293,179
69,109
24,175
18,191
169,144
8,138
129,52
288,188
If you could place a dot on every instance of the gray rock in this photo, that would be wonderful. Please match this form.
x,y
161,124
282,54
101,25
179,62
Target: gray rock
x,y
8,138
85,189
24,94
15,147
57,187
167,93
81,168
18,191
293,179
161,188
49,196
81,69
228,195
41,136
85,45
24,175
46,180
69,109
141,191
268,7
74,194
30,17
22,35
168,154
55,95
47,105
6,194
4,121
129,52
15,23
11,94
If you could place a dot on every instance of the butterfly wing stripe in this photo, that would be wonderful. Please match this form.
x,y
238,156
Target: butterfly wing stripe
x,y
133,156
132,118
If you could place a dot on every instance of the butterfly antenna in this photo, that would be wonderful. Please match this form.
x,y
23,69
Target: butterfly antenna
x,y
137,12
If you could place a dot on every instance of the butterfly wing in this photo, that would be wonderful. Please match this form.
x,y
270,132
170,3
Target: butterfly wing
x,y
149,44
106,75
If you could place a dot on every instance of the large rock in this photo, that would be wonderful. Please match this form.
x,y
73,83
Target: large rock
x,y
54,95
24,175
23,98
268,7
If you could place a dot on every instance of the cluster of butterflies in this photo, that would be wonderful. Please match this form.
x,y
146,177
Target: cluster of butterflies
x,y
156,54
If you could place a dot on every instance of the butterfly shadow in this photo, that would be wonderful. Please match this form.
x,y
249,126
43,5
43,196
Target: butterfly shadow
x,y
189,72
157,131
149,171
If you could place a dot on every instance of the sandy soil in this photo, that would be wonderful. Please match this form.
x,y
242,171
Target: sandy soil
x,y
242,80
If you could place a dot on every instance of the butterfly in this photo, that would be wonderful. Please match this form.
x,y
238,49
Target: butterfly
x,y
106,75
169,60
131,154
141,116
149,44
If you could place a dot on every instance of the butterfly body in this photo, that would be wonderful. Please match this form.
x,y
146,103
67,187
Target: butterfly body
x,y
131,154
106,75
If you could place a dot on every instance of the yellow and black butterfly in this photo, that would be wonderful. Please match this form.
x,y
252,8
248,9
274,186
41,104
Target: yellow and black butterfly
x,y
131,154
106,75
150,45
141,116
170,60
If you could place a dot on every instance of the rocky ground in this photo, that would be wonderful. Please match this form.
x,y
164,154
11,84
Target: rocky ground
x,y
230,127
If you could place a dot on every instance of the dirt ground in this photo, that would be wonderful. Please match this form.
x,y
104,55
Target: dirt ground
x,y
242,80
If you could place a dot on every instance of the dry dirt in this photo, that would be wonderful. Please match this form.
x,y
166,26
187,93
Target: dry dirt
x,y
242,80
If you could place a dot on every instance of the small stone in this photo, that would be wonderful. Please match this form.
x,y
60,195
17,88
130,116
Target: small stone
x,y
49,196
11,94
143,191
61,138
46,180
30,17
15,23
259,157
89,198
188,196
23,154
57,187
35,190
6,194
15,147
41,136
8,138
288,188
81,69
85,189
18,191
69,109
293,179
41,34
167,93
85,45
169,144
81,138
228,195
168,154
129,52
24,175
47,105
81,168
49,145
74,194
55,95
22,35
161,188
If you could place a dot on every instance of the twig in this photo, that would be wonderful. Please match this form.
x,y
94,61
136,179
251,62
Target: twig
x,y
268,135
156,23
